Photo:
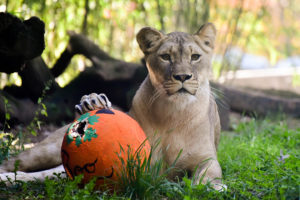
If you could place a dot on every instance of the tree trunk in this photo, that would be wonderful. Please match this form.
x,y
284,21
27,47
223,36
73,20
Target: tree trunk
x,y
258,103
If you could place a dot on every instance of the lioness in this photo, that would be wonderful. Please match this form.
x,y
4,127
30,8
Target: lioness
x,y
173,105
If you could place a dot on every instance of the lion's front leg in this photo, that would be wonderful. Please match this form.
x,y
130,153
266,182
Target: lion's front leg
x,y
43,155
9,177
210,172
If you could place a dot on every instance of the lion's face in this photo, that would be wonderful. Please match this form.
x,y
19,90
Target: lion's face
x,y
178,62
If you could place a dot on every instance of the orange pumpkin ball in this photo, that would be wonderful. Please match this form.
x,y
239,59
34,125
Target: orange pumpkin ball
x,y
92,145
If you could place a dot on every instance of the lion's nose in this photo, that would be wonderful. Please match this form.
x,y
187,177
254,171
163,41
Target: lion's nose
x,y
182,77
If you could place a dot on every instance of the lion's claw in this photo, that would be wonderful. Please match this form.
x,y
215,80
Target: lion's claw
x,y
92,102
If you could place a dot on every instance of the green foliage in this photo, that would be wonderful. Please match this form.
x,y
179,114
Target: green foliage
x,y
10,145
259,159
253,160
6,140
141,180
70,190
41,111
7,109
58,188
260,27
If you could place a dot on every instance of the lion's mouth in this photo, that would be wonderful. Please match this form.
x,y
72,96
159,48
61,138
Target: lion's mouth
x,y
182,90
189,87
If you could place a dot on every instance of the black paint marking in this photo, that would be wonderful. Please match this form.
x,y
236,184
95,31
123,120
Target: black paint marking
x,y
105,111
66,158
109,176
89,168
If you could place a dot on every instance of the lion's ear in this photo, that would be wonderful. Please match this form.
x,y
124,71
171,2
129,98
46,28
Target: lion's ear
x,y
147,38
207,33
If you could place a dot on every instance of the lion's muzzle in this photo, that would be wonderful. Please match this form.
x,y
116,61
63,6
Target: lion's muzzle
x,y
181,83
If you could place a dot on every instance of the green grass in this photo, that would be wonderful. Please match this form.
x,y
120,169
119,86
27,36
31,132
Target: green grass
x,y
252,164
259,159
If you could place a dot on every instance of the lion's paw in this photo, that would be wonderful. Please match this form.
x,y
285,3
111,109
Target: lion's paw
x,y
92,102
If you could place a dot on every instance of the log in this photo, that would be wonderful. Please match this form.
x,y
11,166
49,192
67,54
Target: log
x,y
35,77
258,103
61,104
116,78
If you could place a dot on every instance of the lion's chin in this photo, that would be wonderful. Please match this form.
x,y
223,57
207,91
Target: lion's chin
x,y
182,95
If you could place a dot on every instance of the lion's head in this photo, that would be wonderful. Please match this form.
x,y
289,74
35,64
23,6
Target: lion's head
x,y
178,62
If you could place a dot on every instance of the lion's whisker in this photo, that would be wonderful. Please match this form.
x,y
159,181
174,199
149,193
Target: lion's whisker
x,y
156,94
220,97
221,101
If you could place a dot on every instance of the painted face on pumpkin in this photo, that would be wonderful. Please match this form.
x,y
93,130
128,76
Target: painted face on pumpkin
x,y
92,143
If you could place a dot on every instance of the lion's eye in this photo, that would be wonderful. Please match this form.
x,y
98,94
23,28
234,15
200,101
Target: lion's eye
x,y
166,57
195,57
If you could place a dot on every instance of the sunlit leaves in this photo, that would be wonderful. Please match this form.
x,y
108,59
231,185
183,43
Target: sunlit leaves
x,y
252,26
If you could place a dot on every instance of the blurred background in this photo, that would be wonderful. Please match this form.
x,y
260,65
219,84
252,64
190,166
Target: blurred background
x,y
256,66
252,34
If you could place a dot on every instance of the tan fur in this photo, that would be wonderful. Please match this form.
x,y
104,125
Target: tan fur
x,y
44,155
183,116
187,121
